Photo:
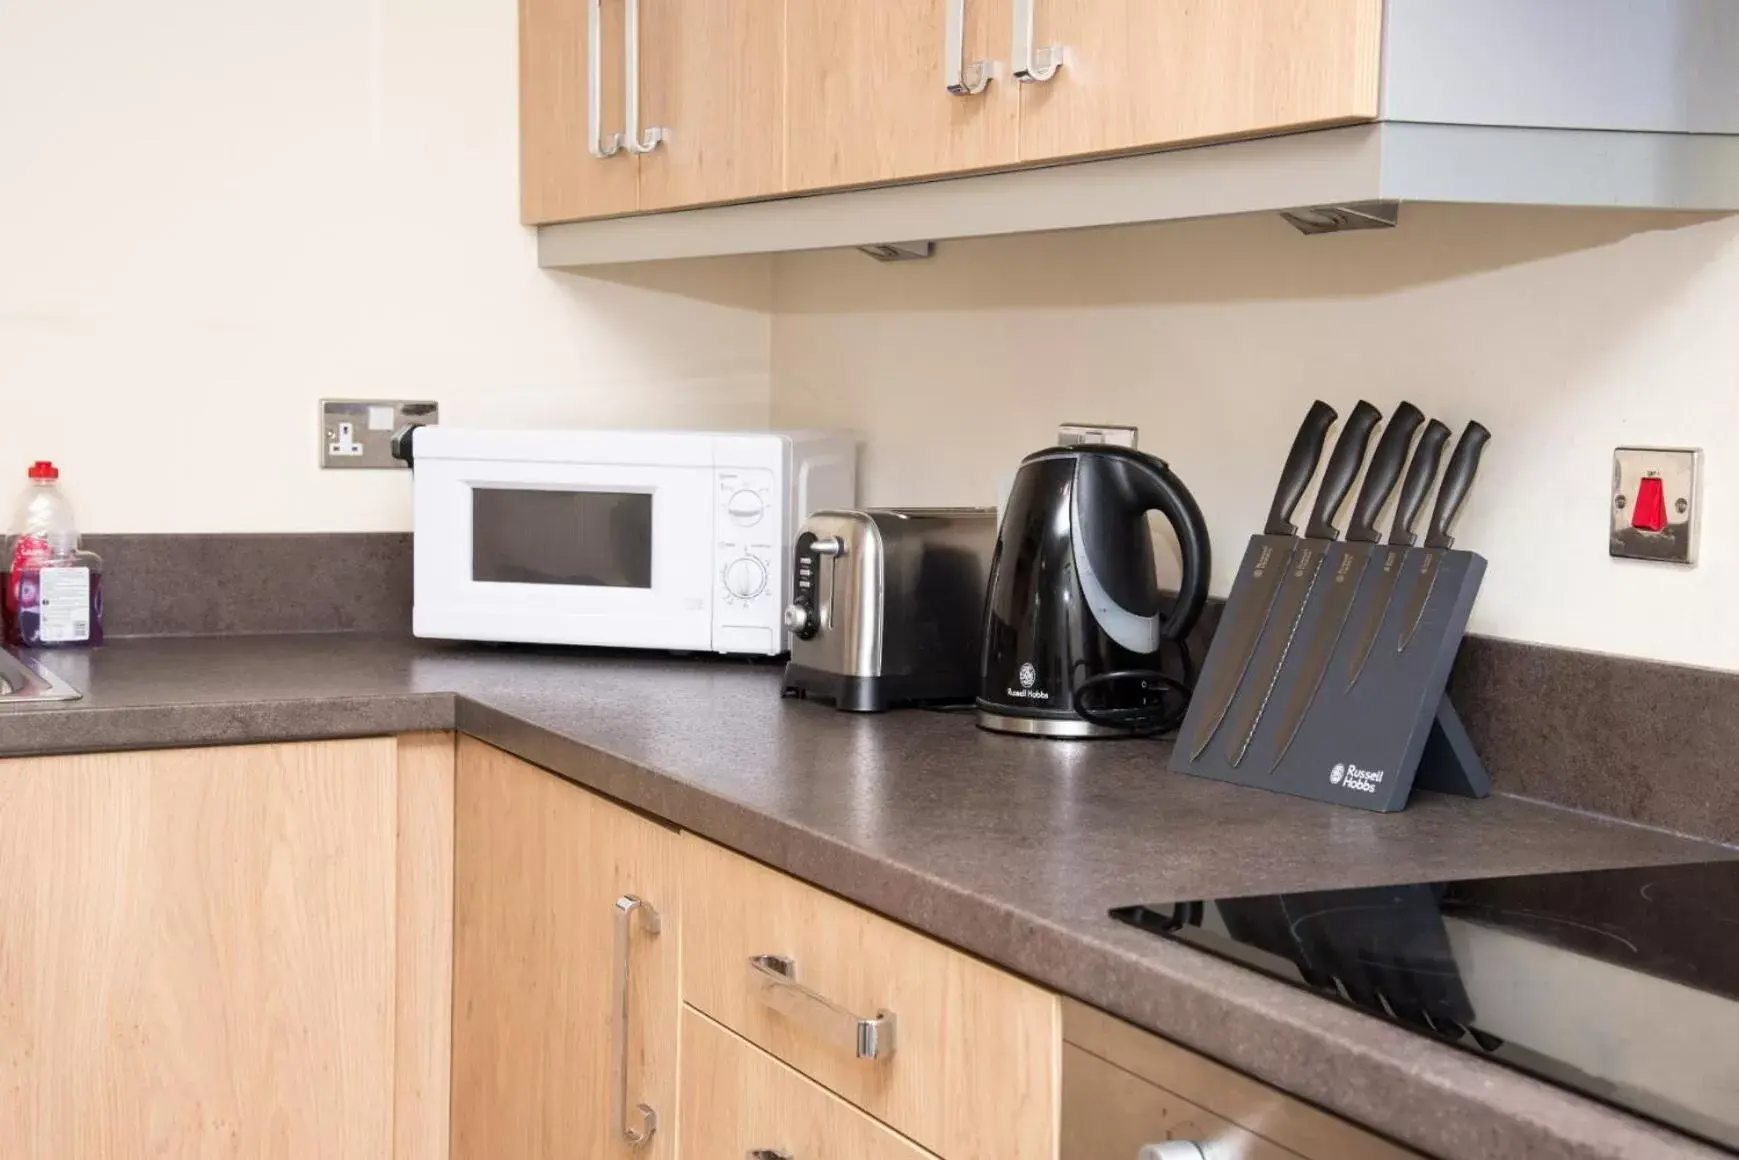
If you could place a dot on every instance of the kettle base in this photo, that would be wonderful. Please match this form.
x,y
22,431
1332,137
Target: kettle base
x,y
1062,727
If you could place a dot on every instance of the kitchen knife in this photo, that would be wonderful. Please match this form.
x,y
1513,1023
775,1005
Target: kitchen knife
x,y
1457,478
1427,458
1295,586
1242,624
1344,568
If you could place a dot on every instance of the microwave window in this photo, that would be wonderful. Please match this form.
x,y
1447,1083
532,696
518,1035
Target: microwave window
x,y
596,539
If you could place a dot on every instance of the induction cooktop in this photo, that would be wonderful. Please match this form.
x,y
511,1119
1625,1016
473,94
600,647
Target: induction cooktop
x,y
1621,984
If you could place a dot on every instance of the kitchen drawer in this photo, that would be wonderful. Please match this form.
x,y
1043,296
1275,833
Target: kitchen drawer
x,y
739,1101
972,1066
1123,1088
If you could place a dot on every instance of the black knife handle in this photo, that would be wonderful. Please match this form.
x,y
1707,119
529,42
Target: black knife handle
x,y
1427,458
1300,466
1383,473
1457,478
1343,467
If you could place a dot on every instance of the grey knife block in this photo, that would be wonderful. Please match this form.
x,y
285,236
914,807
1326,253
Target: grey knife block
x,y
1365,747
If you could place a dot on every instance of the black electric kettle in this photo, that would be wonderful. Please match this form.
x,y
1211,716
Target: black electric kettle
x,y
1073,598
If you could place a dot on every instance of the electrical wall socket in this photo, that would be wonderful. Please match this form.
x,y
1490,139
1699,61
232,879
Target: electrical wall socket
x,y
358,432
1069,434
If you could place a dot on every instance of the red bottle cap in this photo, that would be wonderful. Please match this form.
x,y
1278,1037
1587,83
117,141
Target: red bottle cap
x,y
43,469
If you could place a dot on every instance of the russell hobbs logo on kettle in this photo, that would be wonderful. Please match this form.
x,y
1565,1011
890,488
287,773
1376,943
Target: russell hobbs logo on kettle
x,y
1352,777
1028,676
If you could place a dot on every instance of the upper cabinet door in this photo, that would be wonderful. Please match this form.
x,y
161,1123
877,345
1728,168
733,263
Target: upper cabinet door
x,y
1149,73
561,177
869,97
712,78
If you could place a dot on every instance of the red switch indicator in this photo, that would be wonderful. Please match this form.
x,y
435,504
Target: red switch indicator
x,y
1650,512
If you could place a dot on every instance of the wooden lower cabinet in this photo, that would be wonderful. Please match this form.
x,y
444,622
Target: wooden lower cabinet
x,y
1124,1088
972,1073
738,1101
233,952
542,867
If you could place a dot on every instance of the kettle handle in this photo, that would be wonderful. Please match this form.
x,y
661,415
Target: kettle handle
x,y
1147,484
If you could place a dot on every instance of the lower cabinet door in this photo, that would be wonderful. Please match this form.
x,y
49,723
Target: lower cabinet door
x,y
565,999
197,954
739,1102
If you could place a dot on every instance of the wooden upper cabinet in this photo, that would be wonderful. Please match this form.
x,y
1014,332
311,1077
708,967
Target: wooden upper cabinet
x,y
710,80
559,178
868,96
713,78
1150,73
541,867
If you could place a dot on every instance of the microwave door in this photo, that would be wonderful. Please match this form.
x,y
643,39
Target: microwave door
x,y
587,554
589,539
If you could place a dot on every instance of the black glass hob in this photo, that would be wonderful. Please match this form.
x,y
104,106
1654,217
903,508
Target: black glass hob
x,y
1621,984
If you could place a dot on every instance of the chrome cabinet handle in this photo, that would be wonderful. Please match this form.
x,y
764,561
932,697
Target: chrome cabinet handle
x,y
775,979
595,140
1033,65
963,77
631,84
625,908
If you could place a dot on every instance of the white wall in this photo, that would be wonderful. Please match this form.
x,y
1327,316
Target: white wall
x,y
214,213
1566,333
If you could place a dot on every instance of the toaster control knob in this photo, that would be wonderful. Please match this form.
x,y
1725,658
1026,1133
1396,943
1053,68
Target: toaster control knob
x,y
828,546
800,620
746,508
745,578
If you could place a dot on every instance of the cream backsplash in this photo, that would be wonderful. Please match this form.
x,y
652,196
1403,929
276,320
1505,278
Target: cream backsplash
x,y
214,214
1567,333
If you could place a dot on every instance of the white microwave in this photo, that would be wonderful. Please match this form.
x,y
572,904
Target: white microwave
x,y
641,539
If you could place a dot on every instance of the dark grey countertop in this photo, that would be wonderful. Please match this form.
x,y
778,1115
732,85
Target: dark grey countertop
x,y
1010,848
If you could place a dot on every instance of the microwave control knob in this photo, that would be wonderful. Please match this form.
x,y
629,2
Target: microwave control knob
x,y
745,577
800,620
746,508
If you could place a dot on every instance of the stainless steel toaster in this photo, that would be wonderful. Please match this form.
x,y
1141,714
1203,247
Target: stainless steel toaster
x,y
887,606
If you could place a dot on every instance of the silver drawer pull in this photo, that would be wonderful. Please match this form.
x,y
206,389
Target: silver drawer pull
x,y
775,978
767,1154
625,908
963,77
1033,64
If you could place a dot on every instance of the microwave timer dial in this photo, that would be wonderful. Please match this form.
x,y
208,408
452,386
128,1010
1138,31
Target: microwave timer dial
x,y
745,577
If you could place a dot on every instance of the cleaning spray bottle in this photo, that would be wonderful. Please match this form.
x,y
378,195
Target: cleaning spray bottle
x,y
53,592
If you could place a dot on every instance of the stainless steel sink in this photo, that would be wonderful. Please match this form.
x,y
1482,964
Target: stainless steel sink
x,y
25,682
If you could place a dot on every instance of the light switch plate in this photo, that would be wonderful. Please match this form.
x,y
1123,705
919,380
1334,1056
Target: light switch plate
x,y
1656,504
358,432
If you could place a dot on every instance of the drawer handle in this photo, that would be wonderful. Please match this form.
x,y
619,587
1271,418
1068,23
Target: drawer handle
x,y
599,145
1032,65
963,77
625,909
775,976
631,96
767,1154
